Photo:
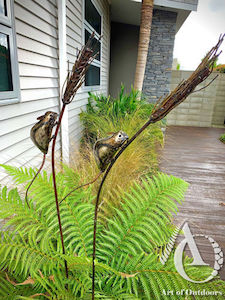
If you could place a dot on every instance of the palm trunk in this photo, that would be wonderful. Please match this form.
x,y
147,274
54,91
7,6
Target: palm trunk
x,y
144,37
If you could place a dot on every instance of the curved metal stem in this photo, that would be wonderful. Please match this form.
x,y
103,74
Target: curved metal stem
x,y
150,121
54,183
81,186
39,170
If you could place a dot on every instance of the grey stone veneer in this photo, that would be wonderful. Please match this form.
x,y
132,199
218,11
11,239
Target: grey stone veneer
x,y
160,55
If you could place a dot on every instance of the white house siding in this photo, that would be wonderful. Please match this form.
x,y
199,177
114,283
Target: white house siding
x,y
37,42
74,10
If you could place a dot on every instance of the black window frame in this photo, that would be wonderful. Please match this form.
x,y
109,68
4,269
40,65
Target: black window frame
x,y
87,27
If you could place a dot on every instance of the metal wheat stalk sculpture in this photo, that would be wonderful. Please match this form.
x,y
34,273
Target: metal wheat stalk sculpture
x,y
73,82
161,109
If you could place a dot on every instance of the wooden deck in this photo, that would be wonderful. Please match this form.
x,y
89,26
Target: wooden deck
x,y
197,156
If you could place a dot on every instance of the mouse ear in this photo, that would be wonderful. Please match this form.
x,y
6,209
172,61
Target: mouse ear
x,y
40,118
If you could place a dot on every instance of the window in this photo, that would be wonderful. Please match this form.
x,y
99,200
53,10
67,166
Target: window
x,y
92,76
93,22
9,78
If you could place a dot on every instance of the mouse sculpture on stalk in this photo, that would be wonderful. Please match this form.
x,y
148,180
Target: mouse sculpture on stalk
x,y
104,151
41,135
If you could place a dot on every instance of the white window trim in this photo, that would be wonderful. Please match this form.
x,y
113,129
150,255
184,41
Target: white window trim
x,y
7,20
90,29
7,26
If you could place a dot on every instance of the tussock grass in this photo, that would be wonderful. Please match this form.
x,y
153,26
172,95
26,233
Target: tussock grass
x,y
104,115
138,159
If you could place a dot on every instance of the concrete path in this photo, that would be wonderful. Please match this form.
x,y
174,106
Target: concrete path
x,y
196,155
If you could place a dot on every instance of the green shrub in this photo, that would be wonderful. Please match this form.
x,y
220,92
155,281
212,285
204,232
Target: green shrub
x,y
219,68
222,138
124,104
127,265
128,113
104,114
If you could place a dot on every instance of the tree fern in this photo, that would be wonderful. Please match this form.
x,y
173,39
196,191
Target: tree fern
x,y
143,222
128,242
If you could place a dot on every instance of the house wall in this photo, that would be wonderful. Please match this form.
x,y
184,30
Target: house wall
x,y
205,108
160,55
36,34
124,47
74,11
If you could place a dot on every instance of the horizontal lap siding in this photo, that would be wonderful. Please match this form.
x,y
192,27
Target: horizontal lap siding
x,y
37,43
74,12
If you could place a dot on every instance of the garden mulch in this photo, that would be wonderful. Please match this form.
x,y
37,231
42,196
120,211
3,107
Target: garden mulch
x,y
196,155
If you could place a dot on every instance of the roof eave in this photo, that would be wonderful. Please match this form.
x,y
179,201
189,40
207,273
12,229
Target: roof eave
x,y
175,5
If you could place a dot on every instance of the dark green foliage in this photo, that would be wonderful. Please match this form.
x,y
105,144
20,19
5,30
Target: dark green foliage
x,y
128,112
127,264
113,110
222,138
124,104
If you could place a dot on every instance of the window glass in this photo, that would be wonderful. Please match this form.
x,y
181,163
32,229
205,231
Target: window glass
x,y
3,8
92,16
5,64
92,76
93,23
95,44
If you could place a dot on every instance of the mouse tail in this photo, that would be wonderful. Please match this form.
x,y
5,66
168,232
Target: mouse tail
x,y
39,170
83,185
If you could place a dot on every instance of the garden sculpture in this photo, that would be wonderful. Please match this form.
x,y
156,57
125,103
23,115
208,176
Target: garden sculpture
x,y
104,151
41,135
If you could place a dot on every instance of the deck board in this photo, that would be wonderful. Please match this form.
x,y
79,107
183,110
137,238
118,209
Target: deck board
x,y
196,155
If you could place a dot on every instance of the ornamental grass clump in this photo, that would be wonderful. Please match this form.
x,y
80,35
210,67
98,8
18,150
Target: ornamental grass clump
x,y
101,110
140,159
105,115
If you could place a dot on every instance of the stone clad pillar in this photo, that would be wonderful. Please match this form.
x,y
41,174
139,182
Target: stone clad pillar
x,y
160,55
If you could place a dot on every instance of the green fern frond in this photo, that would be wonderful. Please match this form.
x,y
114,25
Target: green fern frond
x,y
127,264
71,176
143,221
19,175
18,217
77,226
25,256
